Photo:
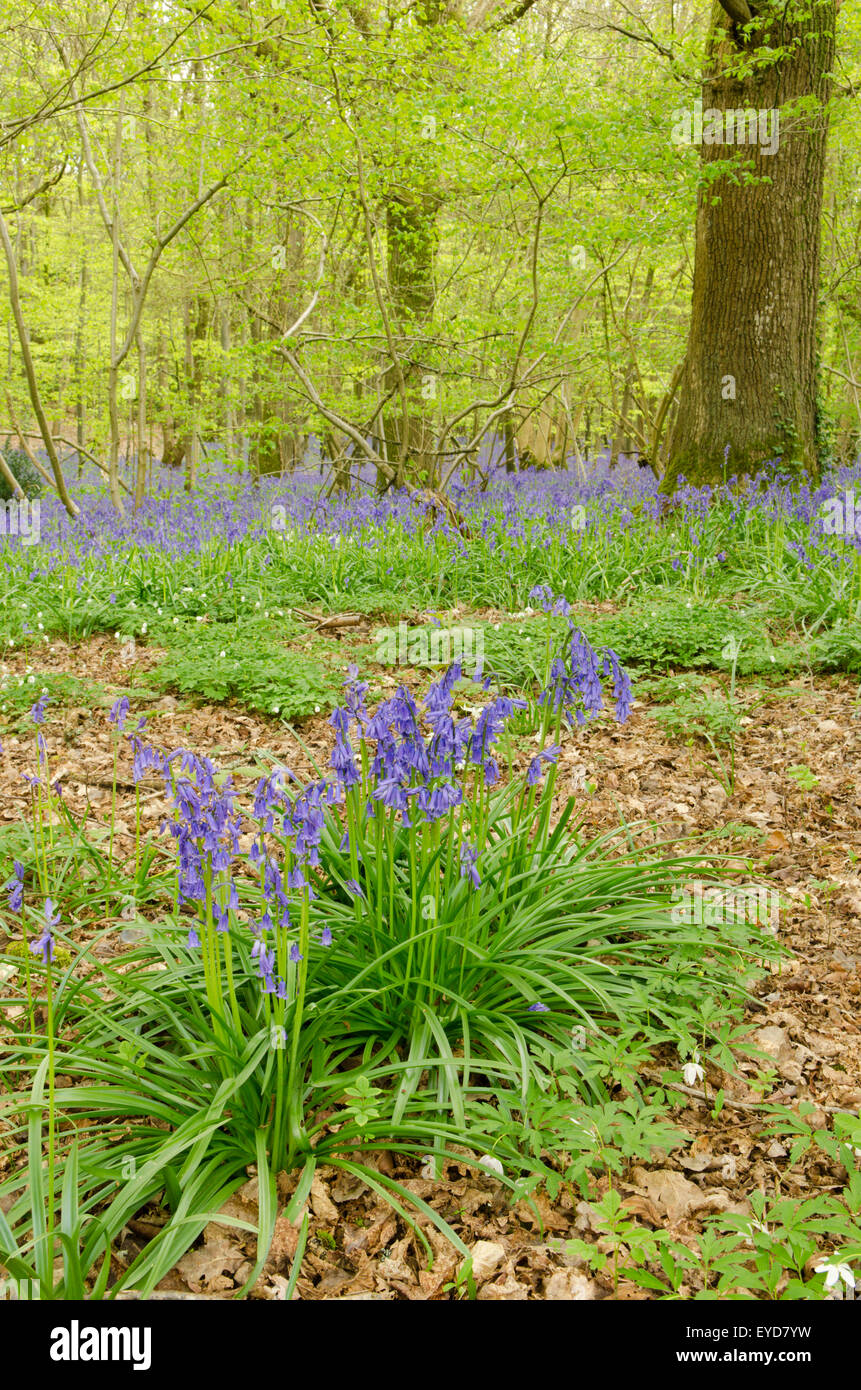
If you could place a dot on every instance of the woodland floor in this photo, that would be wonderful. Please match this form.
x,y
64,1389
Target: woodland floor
x,y
806,1016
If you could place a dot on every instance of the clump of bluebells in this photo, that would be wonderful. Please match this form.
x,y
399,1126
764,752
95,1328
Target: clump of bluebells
x,y
391,956
573,690
418,897
384,859
406,856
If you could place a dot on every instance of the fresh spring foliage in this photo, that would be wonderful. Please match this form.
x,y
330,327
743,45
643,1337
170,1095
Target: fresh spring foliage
x,y
244,660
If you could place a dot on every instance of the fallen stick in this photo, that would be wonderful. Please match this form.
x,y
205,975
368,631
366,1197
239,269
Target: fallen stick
x,y
736,1104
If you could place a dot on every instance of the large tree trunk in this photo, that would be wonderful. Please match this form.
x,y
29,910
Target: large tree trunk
x,y
749,387
411,236
280,428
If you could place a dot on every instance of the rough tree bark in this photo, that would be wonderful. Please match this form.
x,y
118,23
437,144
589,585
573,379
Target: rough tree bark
x,y
280,440
749,387
411,237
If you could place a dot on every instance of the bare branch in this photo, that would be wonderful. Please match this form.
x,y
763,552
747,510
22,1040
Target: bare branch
x,y
48,182
70,444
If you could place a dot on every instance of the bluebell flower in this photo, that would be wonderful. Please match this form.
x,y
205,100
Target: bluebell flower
x,y
548,755
16,887
468,857
37,713
44,945
265,958
119,713
542,596
390,792
343,763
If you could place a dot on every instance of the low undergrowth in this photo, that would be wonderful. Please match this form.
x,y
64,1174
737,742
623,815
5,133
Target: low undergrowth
x,y
246,661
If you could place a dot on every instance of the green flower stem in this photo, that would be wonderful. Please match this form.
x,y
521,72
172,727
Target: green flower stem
x,y
51,1110
137,830
113,819
228,972
297,1137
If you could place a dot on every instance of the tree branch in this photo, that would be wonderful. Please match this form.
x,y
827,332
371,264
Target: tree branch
x,y
739,11
511,16
46,183
53,105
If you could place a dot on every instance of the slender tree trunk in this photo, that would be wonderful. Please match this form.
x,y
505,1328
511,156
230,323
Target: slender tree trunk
x,y
263,452
226,380
196,328
80,407
113,370
30,371
293,439
140,474
749,388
